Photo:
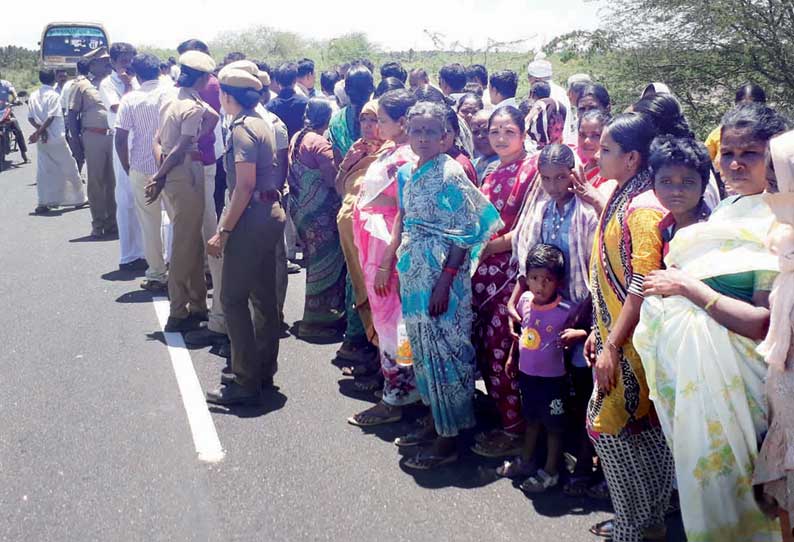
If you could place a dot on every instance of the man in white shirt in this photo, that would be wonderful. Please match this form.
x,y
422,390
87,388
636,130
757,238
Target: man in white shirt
x,y
503,88
58,182
112,89
540,69
135,127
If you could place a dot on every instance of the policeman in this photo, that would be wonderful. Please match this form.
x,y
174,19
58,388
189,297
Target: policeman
x,y
249,232
184,117
95,143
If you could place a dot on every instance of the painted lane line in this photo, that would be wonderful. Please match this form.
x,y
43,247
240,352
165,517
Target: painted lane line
x,y
205,437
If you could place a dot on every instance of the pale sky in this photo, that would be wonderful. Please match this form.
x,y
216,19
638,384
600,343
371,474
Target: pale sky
x,y
393,24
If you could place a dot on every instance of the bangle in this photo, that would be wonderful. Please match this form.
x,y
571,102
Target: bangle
x,y
612,345
382,268
450,271
711,303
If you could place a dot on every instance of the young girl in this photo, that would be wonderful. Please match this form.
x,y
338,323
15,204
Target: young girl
x,y
495,277
443,223
451,146
681,168
541,365
560,218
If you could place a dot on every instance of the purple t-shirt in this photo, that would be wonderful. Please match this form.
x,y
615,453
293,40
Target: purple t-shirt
x,y
539,350
206,143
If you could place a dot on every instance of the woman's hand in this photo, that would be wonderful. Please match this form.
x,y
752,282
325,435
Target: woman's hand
x,y
439,298
382,277
606,367
590,349
668,282
511,368
584,190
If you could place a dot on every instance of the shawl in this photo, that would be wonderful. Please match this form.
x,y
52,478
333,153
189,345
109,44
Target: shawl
x,y
546,122
775,347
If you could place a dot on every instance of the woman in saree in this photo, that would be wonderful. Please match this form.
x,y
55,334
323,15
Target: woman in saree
x,y
375,213
359,157
443,223
774,468
627,247
314,204
344,129
494,279
707,382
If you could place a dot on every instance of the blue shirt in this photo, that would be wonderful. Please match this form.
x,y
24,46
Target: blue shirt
x,y
289,106
6,89
555,230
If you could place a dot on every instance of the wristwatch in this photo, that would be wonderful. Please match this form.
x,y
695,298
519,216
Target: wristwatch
x,y
221,229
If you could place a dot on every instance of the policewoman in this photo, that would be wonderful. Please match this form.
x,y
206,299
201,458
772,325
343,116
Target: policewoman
x,y
249,231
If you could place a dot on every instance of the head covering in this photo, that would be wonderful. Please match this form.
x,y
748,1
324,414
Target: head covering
x,y
655,88
198,61
250,67
546,122
578,78
238,78
540,67
97,54
371,108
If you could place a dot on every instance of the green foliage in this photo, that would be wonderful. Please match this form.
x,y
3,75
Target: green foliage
x,y
20,66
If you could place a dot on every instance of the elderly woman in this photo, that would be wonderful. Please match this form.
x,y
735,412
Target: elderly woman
x,y
344,129
314,205
714,299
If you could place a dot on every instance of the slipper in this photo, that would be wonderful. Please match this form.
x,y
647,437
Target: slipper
x,y
604,528
415,438
516,468
360,370
503,449
362,419
426,460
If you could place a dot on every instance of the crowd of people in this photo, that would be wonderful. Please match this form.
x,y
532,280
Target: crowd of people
x,y
624,291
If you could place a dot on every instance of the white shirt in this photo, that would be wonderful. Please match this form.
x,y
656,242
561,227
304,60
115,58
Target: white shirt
x,y
507,101
111,89
569,134
43,104
66,93
139,114
279,128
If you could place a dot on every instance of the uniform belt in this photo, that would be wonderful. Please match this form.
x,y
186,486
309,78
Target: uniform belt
x,y
266,196
193,156
102,131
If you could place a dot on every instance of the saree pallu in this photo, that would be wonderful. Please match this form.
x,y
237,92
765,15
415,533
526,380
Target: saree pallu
x,y
372,228
342,129
708,383
441,209
348,185
314,206
492,285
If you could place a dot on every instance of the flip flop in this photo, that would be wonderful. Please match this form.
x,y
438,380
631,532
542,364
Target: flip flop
x,y
373,419
414,438
425,460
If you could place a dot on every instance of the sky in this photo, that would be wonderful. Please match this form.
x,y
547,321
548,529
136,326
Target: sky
x,y
394,25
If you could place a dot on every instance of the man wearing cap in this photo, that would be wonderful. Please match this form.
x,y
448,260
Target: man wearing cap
x,y
112,88
184,117
540,69
95,144
249,232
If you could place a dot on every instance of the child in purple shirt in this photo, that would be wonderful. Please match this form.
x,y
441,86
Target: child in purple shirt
x,y
542,376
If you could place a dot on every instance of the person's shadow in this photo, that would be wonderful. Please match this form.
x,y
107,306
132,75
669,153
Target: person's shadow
x,y
272,400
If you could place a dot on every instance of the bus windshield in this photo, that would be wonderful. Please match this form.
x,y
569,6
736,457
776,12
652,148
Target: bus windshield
x,y
72,41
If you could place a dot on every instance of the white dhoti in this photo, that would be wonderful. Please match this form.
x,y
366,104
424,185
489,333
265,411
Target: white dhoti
x,y
58,182
130,234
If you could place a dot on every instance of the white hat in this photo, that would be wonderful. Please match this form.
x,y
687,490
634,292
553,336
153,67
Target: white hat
x,y
540,67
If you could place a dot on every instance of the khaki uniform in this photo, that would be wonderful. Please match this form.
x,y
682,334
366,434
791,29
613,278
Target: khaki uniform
x,y
249,257
98,146
184,192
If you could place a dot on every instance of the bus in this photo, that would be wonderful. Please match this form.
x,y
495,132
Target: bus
x,y
62,44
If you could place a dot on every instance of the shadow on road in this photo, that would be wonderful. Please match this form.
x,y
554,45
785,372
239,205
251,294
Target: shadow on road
x,y
137,296
92,239
119,276
272,400
58,212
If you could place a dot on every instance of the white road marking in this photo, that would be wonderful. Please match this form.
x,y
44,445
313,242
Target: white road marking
x,y
205,437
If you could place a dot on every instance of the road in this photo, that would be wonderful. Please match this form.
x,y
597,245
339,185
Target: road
x,y
96,443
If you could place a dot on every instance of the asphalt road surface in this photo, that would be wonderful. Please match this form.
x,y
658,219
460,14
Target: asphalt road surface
x,y
99,442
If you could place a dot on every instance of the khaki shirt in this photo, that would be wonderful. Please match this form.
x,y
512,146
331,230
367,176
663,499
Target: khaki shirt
x,y
181,116
86,101
252,140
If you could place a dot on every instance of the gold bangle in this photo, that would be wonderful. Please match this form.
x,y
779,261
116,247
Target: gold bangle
x,y
711,303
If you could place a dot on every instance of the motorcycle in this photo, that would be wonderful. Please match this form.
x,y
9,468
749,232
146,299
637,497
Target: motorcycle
x,y
8,138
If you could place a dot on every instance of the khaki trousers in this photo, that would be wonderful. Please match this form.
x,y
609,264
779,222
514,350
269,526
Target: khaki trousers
x,y
209,226
249,276
151,220
101,181
184,192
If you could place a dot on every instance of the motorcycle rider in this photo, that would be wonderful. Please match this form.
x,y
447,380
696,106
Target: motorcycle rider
x,y
8,95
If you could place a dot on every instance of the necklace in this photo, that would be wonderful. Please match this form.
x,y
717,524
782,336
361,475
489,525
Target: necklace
x,y
556,221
